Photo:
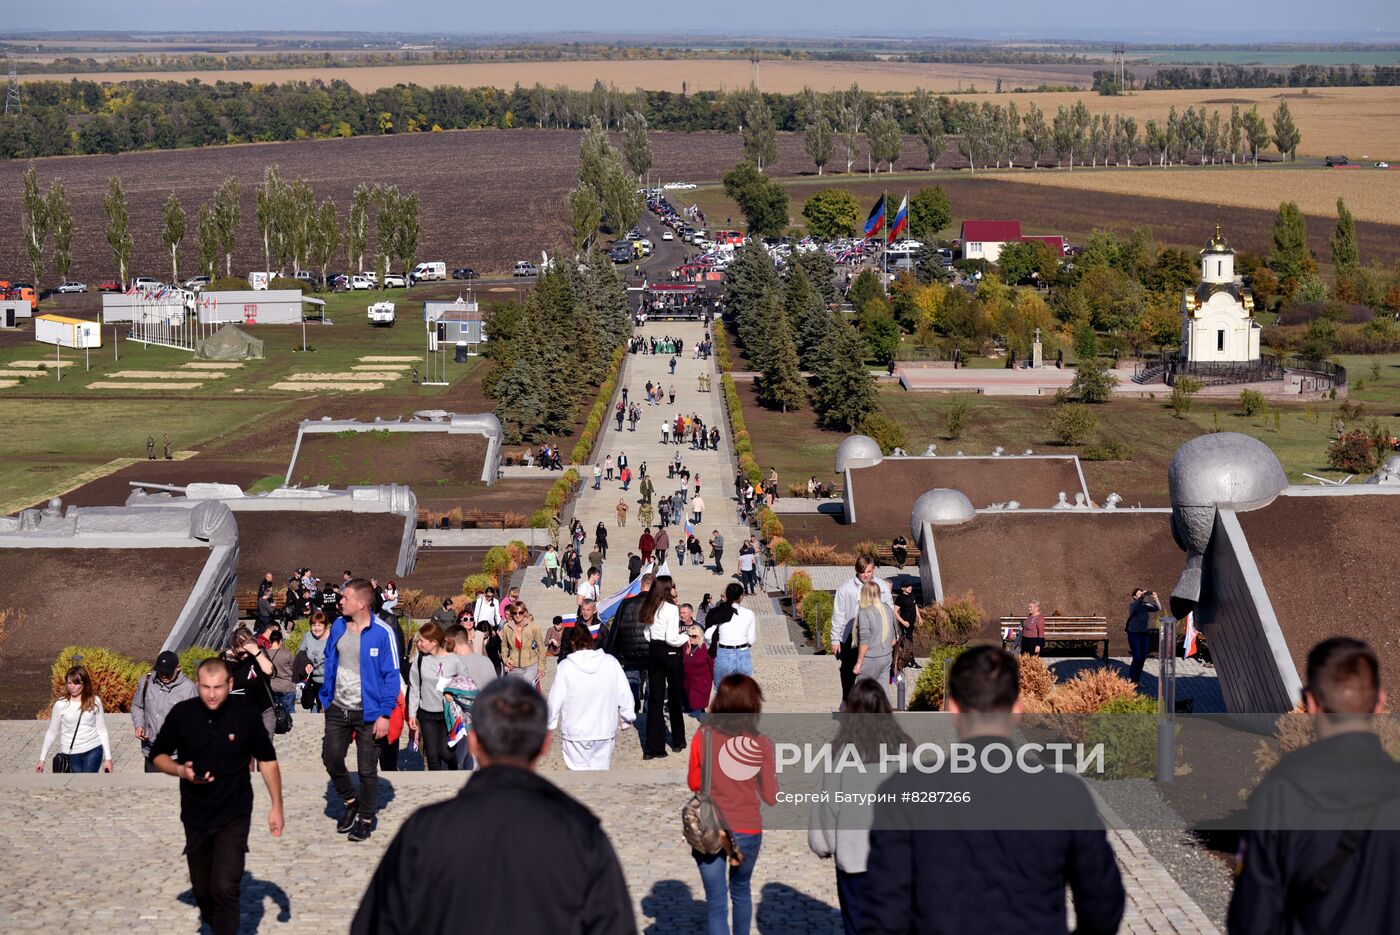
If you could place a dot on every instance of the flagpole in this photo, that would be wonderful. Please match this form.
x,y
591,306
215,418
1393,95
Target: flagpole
x,y
885,252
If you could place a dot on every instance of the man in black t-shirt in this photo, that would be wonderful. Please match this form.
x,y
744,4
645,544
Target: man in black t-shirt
x,y
214,736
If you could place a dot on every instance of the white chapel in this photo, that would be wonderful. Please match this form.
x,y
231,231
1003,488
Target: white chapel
x,y
1217,316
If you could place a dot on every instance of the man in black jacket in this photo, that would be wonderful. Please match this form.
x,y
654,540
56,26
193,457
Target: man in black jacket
x,y
1322,848
627,640
999,863
505,818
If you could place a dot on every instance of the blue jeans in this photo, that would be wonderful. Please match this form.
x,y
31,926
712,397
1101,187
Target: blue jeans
x,y
722,880
89,761
848,887
1137,645
287,701
729,661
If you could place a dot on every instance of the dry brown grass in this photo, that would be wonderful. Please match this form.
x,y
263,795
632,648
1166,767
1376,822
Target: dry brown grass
x,y
1371,194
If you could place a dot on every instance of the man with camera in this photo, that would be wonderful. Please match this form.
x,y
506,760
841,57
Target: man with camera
x,y
1144,604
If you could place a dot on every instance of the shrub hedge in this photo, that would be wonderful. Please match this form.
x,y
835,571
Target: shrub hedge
x,y
816,614
799,586
928,690
192,657
769,525
114,676
782,550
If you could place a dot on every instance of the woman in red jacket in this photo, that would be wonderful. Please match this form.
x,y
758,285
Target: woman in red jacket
x,y
742,773
699,671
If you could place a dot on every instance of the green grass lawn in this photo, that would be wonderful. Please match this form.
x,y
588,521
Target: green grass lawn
x,y
48,441
1298,433
332,348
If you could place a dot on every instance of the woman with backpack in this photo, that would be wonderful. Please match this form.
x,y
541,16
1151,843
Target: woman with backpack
x,y
79,728
433,666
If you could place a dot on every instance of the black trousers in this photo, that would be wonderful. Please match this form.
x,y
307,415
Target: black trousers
x,y
849,651
432,741
665,693
215,857
340,725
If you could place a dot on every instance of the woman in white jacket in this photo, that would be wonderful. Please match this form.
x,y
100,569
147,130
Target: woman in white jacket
x,y
590,695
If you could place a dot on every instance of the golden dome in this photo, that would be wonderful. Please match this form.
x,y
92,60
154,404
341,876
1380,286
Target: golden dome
x,y
1217,242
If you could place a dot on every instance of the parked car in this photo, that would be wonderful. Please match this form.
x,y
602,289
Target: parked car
x,y
196,283
361,281
311,279
146,282
393,281
109,285
67,287
1337,161
679,186
525,268
668,235
464,272
1382,165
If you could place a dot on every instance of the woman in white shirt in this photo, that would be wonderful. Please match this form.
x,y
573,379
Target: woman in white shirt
x,y
666,672
738,628
588,698
78,726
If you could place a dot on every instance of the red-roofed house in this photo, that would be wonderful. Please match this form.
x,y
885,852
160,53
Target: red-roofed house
x,y
983,240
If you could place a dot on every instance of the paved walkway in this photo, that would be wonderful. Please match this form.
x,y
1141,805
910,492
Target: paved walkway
x,y
131,877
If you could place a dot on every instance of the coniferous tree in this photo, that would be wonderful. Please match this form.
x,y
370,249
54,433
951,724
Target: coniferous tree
x,y
781,386
817,324
844,391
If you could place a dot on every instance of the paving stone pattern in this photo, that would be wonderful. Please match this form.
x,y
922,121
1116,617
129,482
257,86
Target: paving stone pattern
x,y
131,877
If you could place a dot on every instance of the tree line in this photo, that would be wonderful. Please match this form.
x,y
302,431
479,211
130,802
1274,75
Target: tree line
x,y
296,232
838,128
551,353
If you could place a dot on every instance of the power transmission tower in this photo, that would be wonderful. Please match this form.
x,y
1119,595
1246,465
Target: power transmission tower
x,y
753,58
12,88
1120,67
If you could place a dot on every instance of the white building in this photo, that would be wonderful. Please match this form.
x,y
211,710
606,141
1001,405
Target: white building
x,y
1217,316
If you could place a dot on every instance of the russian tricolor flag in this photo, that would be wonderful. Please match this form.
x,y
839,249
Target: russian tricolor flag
x,y
877,218
1192,636
901,220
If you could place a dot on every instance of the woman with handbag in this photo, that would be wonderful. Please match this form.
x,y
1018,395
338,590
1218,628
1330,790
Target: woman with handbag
x,y
727,861
77,719
522,645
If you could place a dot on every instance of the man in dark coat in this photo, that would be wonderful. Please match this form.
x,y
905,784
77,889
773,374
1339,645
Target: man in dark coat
x,y
506,817
1026,833
627,640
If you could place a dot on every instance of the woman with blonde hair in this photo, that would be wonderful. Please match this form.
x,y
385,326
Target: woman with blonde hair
x,y
875,634
77,723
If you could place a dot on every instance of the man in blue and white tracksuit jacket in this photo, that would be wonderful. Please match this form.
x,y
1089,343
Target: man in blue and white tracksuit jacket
x,y
361,687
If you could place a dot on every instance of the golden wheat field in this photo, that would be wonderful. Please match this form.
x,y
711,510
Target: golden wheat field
x,y
1371,194
1361,122
661,75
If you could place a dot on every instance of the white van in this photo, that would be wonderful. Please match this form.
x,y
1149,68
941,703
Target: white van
x,y
426,272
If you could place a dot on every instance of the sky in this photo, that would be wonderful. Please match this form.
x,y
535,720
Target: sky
x,y
1236,21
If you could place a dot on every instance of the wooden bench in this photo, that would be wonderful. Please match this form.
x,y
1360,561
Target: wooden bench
x,y
248,606
884,555
484,521
1085,629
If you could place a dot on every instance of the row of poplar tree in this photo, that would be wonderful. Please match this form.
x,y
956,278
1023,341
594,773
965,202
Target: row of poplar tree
x,y
296,233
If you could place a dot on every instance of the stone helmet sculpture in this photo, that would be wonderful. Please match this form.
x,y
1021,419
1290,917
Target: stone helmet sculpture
x,y
1223,469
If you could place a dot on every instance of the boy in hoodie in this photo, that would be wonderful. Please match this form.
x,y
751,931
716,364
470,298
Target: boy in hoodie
x,y
161,689
589,696
361,688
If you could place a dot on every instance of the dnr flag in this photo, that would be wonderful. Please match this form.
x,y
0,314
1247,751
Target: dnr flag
x,y
901,220
876,219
